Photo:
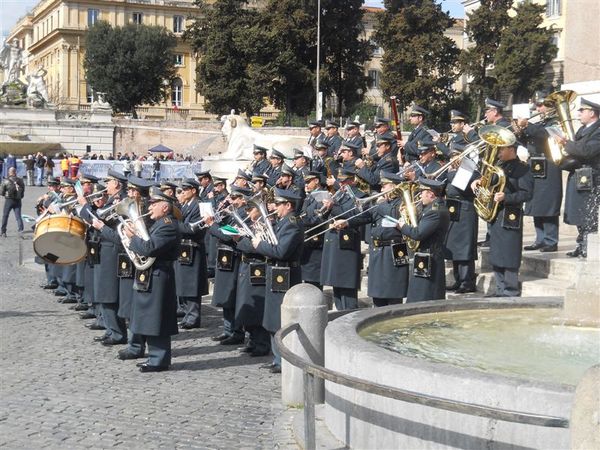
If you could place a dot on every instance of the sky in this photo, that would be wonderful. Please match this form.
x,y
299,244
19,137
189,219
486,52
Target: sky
x,y
12,10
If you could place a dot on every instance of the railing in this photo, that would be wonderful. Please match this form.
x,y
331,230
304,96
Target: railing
x,y
312,371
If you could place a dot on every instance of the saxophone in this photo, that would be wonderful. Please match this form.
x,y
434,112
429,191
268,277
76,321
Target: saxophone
x,y
493,178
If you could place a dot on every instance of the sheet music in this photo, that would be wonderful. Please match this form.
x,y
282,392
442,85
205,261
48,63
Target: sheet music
x,y
206,209
464,174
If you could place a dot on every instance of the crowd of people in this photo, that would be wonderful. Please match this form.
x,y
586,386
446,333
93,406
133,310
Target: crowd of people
x,y
415,202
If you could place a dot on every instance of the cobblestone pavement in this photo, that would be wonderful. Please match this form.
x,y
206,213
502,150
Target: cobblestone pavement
x,y
59,389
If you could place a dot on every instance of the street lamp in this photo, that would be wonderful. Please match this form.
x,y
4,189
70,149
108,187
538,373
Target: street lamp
x,y
319,100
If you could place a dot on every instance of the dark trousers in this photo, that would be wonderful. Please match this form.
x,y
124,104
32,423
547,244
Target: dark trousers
x,y
192,310
507,282
136,343
546,230
115,326
15,205
345,298
275,350
159,350
229,327
259,338
464,274
377,301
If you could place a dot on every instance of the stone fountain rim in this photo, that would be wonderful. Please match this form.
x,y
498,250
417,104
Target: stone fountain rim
x,y
346,328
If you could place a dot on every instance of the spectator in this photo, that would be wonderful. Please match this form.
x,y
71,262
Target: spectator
x,y
74,163
13,190
138,166
156,170
101,158
29,163
40,164
64,166
11,161
49,167
1,166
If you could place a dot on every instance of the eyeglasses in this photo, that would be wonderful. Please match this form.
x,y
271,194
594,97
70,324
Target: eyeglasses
x,y
179,191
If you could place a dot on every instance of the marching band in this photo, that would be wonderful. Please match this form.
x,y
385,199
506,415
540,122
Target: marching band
x,y
150,249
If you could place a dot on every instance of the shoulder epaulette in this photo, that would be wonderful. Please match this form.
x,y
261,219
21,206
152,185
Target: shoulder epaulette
x,y
168,220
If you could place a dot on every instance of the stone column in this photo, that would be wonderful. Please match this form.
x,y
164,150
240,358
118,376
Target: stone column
x,y
303,304
585,414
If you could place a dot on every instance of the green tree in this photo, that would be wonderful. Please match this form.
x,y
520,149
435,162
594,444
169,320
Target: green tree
x,y
525,49
224,37
419,63
129,64
344,53
484,29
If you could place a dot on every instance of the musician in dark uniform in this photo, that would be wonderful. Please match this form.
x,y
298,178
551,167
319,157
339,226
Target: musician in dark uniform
x,y
106,283
206,185
346,160
494,113
311,217
167,187
425,165
283,263
321,162
301,167
41,207
461,240
386,162
418,119
342,259
583,184
332,138
382,130
388,255
353,135
286,182
276,159
242,179
316,135
260,164
506,230
461,134
428,278
547,180
228,263
67,274
154,308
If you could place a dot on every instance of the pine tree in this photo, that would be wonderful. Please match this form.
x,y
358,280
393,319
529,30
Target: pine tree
x,y
129,64
419,63
525,49
223,39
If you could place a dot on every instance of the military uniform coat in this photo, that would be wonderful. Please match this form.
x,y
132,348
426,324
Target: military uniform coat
x,y
461,240
154,313
411,151
387,163
581,207
290,236
190,279
314,140
274,174
547,192
334,142
385,279
261,167
341,268
431,232
506,244
388,135
250,299
312,252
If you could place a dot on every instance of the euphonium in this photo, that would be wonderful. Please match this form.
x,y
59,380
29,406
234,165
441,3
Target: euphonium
x,y
492,179
408,209
130,209
560,102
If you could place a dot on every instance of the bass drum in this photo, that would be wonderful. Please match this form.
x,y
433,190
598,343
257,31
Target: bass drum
x,y
60,239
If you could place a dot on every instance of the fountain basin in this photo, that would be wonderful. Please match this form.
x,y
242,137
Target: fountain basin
x,y
363,420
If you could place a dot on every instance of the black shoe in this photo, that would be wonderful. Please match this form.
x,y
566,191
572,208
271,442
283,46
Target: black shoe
x,y
2,234
575,253
60,293
534,246
483,244
100,338
491,295
125,354
140,364
94,326
267,366
232,340
454,287
49,286
68,300
148,368
549,248
257,353
275,369
180,313
188,326
219,338
87,315
81,307
110,341
246,349
464,290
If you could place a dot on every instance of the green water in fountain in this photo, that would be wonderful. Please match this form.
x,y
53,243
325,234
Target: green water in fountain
x,y
522,343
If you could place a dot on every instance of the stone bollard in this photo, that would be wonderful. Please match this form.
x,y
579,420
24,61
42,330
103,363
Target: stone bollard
x,y
585,414
303,304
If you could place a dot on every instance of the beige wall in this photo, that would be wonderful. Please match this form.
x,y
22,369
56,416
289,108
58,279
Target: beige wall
x,y
582,40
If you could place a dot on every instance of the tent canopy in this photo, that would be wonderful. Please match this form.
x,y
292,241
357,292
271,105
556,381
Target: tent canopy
x,y
160,148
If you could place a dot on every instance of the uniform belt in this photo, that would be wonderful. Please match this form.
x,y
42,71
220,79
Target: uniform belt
x,y
382,243
275,263
162,265
249,259
189,242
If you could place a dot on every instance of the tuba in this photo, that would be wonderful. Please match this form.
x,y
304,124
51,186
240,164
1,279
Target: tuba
x,y
560,102
130,209
493,179
408,209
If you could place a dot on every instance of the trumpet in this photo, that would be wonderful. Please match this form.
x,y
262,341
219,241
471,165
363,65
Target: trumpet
x,y
57,206
220,213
